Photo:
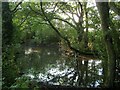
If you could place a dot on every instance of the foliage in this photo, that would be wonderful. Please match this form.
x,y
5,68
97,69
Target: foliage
x,y
24,82
51,23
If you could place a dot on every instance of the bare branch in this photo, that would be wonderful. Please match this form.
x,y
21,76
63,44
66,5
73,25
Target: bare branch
x,y
24,19
15,9
35,11
66,22
55,7
73,19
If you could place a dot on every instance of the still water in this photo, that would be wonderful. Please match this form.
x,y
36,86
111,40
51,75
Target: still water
x,y
49,65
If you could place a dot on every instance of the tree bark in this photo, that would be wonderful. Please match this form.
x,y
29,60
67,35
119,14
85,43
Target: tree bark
x,y
103,9
7,27
86,26
8,54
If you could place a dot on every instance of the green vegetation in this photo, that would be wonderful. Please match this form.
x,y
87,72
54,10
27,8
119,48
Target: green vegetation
x,y
76,28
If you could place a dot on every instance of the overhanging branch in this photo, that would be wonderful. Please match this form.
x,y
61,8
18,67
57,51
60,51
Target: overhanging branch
x,y
56,30
64,38
66,22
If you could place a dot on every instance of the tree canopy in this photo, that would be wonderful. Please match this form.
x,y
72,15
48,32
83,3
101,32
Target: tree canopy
x,y
80,28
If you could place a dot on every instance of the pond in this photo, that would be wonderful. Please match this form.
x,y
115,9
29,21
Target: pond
x,y
49,65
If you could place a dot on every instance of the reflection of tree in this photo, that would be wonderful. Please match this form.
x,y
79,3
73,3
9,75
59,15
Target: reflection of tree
x,y
87,73
38,60
78,73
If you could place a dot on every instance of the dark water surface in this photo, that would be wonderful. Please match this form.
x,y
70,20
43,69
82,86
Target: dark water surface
x,y
47,64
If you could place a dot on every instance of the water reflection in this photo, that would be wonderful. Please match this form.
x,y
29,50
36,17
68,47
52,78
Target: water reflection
x,y
47,64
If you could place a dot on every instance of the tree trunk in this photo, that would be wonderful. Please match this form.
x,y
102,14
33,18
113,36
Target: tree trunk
x,y
7,27
103,9
86,25
8,47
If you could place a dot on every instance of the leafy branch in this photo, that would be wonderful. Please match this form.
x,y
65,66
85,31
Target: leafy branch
x,y
114,8
64,38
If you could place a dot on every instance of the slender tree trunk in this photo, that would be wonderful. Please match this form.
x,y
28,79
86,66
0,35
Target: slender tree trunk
x,y
103,9
86,25
80,28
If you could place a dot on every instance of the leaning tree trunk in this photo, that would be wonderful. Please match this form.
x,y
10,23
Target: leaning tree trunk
x,y
103,9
